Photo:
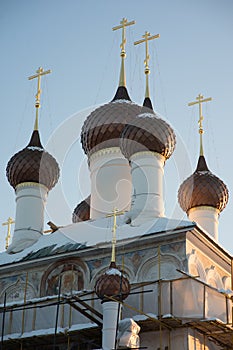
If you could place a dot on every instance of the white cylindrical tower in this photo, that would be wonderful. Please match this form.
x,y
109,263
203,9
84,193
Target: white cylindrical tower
x,y
29,222
111,313
32,172
147,143
147,170
110,182
207,218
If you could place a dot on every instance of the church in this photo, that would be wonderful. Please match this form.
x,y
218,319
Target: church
x,y
122,275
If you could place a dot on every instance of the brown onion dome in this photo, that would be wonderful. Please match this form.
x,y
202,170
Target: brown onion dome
x,y
203,188
112,284
82,211
33,164
148,132
103,127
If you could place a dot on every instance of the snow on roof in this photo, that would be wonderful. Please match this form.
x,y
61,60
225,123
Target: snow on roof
x,y
97,232
91,233
113,271
46,245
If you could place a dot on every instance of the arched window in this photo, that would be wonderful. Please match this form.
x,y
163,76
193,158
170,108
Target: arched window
x,y
71,272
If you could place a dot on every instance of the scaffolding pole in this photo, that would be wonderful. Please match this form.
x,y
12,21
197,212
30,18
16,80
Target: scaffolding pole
x,y
57,313
3,321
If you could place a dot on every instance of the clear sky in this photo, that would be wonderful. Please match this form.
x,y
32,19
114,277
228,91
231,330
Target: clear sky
x,y
74,39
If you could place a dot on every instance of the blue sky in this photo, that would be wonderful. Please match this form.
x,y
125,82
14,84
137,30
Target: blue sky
x,y
74,39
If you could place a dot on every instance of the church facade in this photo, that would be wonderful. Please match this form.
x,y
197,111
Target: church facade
x,y
122,275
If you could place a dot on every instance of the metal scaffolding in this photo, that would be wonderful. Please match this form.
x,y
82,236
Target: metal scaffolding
x,y
76,318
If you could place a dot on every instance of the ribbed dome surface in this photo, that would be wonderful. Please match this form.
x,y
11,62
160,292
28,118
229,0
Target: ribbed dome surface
x,y
203,188
82,211
103,127
148,132
33,164
112,284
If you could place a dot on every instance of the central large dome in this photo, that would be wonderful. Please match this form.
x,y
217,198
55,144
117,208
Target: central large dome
x,y
103,127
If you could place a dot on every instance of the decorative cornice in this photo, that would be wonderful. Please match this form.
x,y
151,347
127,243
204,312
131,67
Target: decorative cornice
x,y
150,153
204,207
31,184
105,151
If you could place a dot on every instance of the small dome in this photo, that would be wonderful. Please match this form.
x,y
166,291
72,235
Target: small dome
x,y
103,127
148,132
82,211
112,284
33,164
203,188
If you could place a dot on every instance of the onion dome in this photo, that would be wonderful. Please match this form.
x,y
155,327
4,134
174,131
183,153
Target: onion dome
x,y
203,188
82,211
112,284
148,132
103,127
33,164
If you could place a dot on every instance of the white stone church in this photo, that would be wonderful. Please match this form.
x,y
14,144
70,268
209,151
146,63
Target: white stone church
x,y
163,284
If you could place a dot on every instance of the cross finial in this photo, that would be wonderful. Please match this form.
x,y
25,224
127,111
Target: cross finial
x,y
9,222
115,213
200,99
123,24
146,37
40,71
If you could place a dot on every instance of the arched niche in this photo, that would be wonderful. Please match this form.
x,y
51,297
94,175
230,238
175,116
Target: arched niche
x,y
73,273
164,267
18,291
213,278
227,283
195,266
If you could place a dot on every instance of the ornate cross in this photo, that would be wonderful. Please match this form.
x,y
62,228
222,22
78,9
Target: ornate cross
x,y
123,24
9,222
200,99
39,74
147,36
114,214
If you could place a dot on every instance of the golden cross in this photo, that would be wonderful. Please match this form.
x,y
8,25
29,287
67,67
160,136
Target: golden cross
x,y
147,36
200,99
115,213
40,71
9,222
123,24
